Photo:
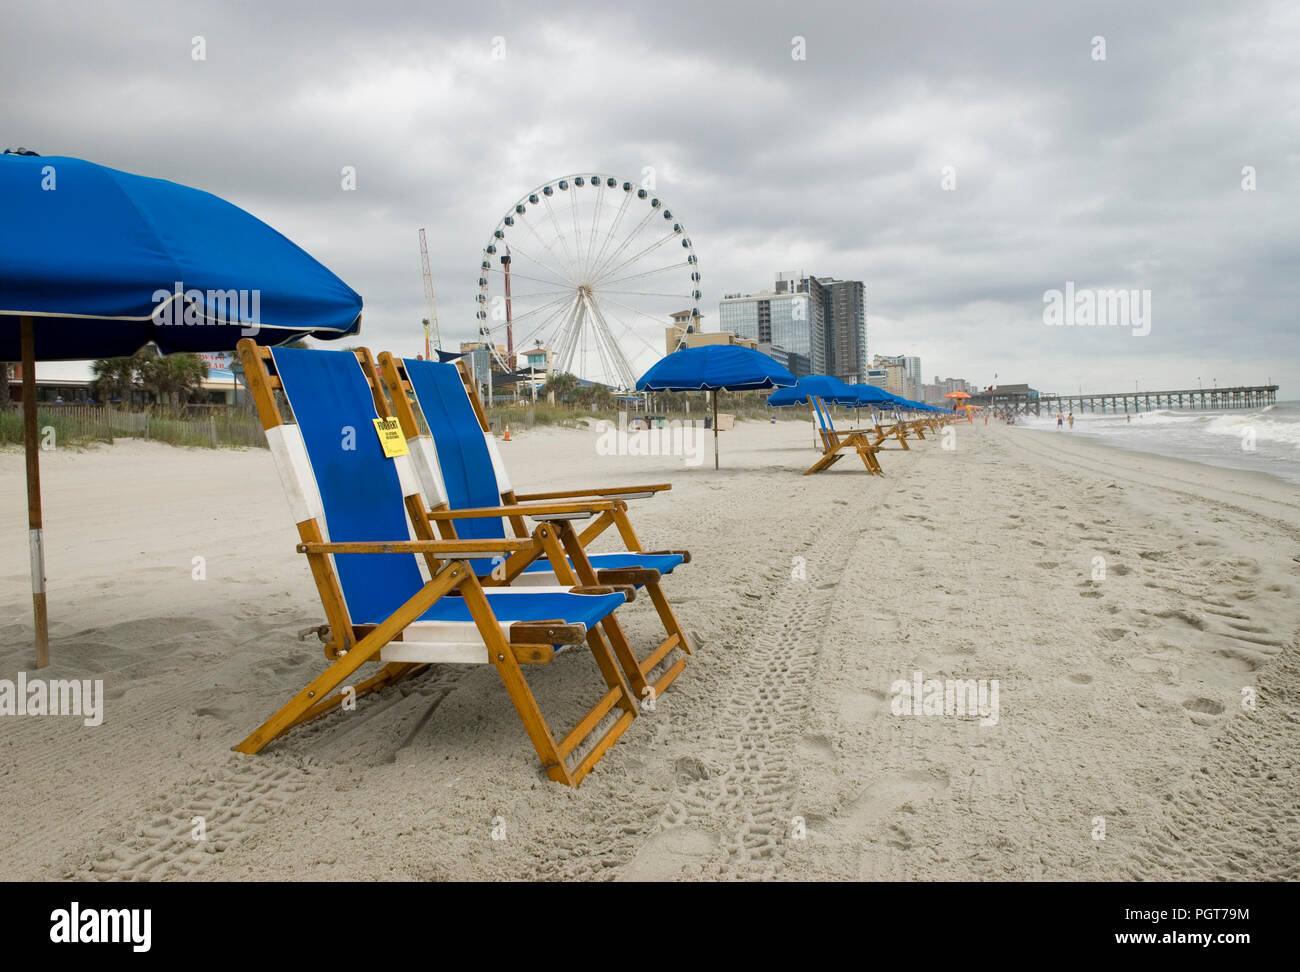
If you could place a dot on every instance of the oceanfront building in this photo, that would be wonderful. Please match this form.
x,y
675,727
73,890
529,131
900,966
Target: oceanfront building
x,y
936,394
813,325
898,374
786,326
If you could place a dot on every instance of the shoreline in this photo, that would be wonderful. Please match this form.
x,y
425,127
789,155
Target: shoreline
x,y
1113,443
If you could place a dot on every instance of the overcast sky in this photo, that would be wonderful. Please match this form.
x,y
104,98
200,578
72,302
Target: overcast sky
x,y
1117,173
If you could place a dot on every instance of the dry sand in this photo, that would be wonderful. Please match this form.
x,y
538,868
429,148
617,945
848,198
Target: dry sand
x,y
775,755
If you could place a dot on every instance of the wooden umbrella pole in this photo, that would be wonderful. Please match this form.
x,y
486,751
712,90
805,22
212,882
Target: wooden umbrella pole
x,y
36,536
715,428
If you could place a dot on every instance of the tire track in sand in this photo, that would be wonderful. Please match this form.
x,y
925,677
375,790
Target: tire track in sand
x,y
735,823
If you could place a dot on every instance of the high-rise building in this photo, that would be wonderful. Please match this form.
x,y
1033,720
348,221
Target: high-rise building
x,y
818,324
936,393
846,329
895,380
785,325
912,367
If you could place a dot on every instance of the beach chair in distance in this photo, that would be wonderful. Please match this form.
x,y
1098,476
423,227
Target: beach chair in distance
x,y
883,433
349,501
468,494
836,445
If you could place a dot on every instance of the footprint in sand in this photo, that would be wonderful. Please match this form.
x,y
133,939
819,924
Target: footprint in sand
x,y
671,854
1236,661
1203,711
860,706
815,749
883,797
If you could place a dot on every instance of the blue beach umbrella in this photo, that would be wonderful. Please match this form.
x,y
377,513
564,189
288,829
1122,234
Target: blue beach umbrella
x,y
95,263
870,394
826,387
714,368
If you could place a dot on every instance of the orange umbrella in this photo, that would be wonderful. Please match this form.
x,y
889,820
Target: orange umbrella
x,y
956,394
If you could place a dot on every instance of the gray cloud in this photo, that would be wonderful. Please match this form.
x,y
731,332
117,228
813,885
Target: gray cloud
x,y
1122,173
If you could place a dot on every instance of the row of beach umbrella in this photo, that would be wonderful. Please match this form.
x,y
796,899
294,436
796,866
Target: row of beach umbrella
x,y
732,367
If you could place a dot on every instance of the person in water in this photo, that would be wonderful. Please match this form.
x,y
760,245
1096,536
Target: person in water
x,y
1060,420
1071,421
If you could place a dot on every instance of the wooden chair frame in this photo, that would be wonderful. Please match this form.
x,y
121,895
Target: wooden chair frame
x,y
351,646
836,444
562,546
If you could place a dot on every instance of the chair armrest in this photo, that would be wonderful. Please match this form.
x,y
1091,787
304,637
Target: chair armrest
x,y
559,511
622,492
446,549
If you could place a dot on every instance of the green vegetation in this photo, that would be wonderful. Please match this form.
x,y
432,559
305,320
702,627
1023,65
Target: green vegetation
x,y
173,379
599,403
76,426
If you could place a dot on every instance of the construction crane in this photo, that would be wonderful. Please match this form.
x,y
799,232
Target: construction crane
x,y
428,300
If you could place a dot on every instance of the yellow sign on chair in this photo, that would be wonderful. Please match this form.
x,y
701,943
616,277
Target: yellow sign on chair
x,y
391,438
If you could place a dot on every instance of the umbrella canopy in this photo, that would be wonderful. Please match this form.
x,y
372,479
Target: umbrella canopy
x,y
95,263
890,400
826,387
956,394
106,261
823,386
714,368
870,394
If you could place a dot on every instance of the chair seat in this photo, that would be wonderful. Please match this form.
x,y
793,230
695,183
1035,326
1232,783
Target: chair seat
x,y
527,604
664,563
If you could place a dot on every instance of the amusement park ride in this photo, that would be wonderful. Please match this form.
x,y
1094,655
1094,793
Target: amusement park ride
x,y
591,267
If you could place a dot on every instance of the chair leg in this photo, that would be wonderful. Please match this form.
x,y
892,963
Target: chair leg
x,y
825,461
552,754
323,684
390,674
869,460
564,546
676,639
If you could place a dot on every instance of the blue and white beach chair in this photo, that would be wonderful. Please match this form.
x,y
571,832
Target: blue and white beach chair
x,y
461,472
835,445
405,603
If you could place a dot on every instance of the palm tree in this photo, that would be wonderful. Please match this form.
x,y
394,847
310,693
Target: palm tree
x,y
114,378
173,378
562,385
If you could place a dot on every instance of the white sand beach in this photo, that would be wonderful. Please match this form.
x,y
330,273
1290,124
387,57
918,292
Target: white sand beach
x,y
1123,701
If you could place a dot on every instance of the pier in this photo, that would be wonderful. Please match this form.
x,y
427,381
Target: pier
x,y
1238,396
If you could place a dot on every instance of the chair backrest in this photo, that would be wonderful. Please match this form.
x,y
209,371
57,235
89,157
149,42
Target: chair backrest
x,y
824,420
332,463
472,472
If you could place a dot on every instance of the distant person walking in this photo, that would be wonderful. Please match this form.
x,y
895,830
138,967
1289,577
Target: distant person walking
x,y
1071,421
1060,421
1128,419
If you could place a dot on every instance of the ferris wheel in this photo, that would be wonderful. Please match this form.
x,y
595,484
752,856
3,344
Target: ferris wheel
x,y
590,267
